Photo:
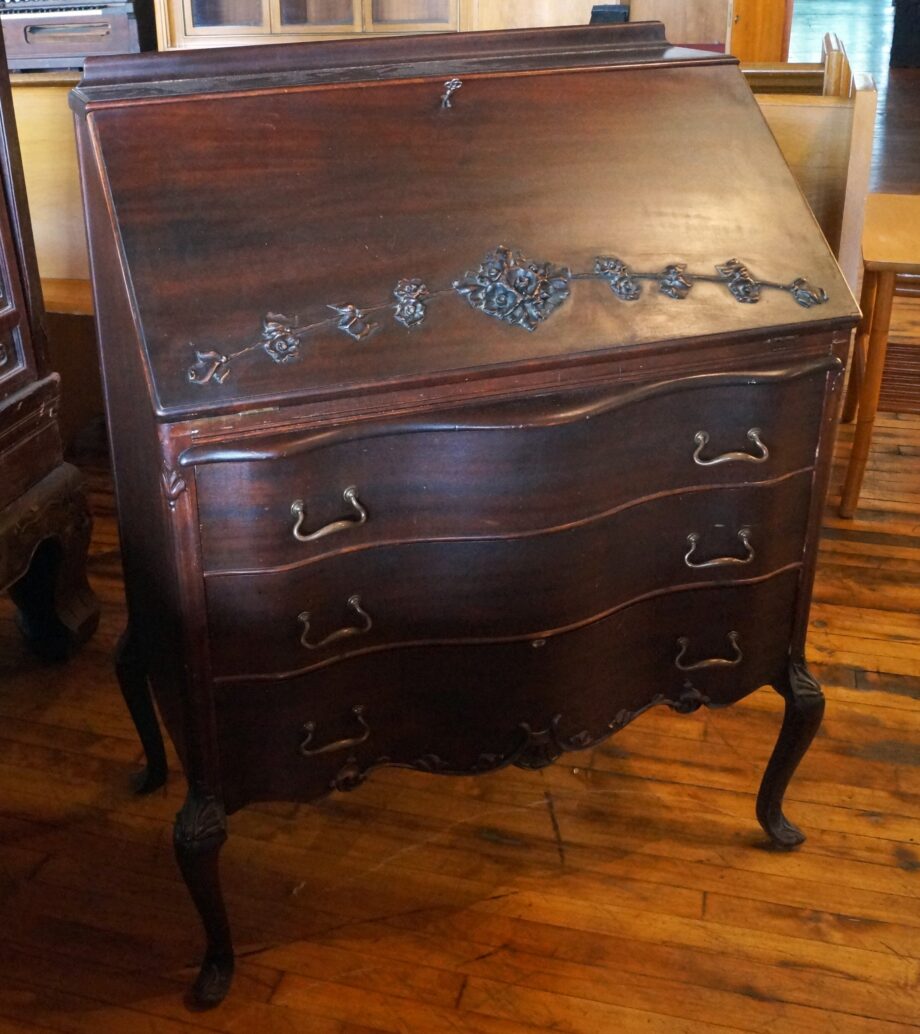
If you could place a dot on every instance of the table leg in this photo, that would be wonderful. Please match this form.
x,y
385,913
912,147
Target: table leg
x,y
857,364
198,835
131,670
869,391
804,711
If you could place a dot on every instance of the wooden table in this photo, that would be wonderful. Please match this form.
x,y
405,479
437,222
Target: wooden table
x,y
891,245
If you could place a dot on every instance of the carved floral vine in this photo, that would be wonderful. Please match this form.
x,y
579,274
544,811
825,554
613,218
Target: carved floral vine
x,y
506,287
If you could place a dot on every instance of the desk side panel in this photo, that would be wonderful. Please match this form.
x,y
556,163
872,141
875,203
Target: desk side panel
x,y
156,512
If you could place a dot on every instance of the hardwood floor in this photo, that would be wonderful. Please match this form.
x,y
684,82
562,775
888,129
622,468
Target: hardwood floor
x,y
624,891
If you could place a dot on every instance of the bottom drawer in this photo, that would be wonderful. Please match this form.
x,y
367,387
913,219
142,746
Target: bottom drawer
x,y
467,709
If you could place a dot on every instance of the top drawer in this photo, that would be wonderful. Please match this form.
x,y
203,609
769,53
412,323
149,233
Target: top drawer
x,y
508,469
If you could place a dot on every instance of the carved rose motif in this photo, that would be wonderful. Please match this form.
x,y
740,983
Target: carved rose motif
x,y
739,281
410,308
806,296
353,321
674,283
278,337
508,287
208,366
619,277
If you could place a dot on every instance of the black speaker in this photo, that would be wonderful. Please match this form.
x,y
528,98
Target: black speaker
x,y
905,41
609,14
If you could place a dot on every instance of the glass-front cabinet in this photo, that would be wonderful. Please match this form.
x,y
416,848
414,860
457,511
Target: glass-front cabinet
x,y
195,23
334,16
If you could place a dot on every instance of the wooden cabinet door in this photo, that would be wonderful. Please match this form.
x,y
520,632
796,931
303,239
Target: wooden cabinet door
x,y
225,17
320,16
760,29
410,15
702,21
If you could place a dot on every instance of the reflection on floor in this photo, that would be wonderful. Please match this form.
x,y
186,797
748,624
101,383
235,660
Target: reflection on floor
x,y
865,27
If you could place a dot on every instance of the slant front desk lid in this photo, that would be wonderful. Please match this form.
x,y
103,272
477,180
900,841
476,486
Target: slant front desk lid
x,y
304,220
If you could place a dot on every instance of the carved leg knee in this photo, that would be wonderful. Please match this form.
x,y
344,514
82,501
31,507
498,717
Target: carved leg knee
x,y
131,670
804,710
199,834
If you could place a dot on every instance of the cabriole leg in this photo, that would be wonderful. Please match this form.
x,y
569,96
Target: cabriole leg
x,y
804,711
131,669
199,834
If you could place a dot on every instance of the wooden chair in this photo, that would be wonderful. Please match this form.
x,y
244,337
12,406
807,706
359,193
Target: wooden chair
x,y
890,245
829,77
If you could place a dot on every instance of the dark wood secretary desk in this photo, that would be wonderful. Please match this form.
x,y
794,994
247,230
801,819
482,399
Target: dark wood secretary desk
x,y
44,520
468,396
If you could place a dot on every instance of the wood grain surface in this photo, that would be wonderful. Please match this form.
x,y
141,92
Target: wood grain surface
x,y
515,902
618,892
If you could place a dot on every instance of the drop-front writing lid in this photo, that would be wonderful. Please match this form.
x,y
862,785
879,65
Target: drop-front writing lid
x,y
343,217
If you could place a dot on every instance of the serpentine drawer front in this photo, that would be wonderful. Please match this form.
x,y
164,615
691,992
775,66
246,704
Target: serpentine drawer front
x,y
470,709
468,397
500,587
513,467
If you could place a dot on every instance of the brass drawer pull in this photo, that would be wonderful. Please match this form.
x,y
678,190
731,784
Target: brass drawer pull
x,y
702,438
342,633
350,495
712,662
353,741
720,561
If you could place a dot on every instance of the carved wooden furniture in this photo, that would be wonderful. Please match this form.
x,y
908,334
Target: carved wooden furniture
x,y
466,398
44,522
890,245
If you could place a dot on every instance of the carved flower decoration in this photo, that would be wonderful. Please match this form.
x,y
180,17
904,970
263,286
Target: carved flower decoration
x,y
278,337
805,295
510,288
619,277
507,287
410,308
674,283
739,281
353,321
208,366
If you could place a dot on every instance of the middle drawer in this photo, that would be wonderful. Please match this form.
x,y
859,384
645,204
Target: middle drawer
x,y
268,623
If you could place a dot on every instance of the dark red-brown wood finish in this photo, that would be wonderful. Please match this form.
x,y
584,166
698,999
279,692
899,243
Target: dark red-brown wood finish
x,y
446,431
44,521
